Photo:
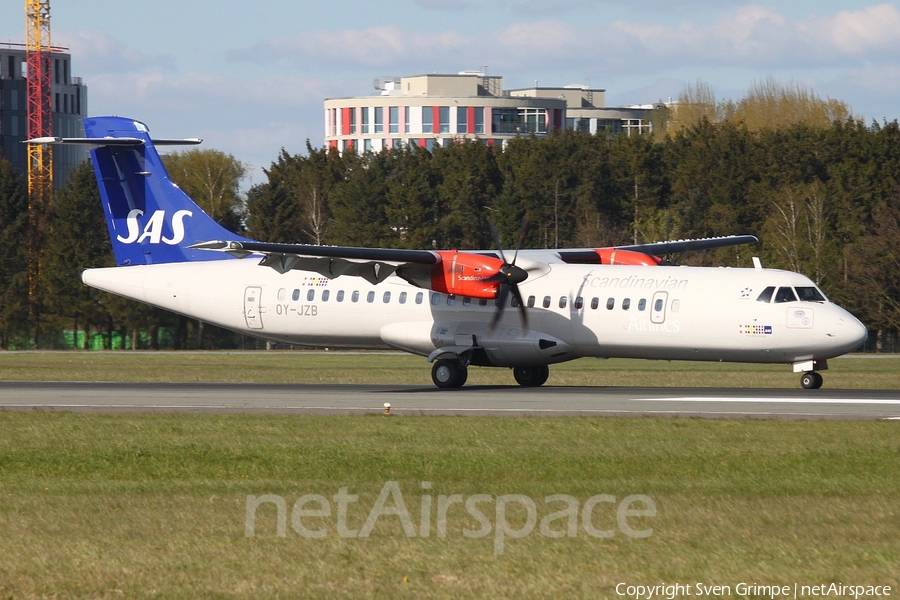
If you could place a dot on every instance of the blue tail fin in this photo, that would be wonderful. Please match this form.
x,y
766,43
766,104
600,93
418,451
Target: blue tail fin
x,y
150,219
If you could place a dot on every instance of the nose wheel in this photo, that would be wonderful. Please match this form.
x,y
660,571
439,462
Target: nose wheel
x,y
811,380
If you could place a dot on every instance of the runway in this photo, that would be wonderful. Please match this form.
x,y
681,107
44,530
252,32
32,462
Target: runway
x,y
471,400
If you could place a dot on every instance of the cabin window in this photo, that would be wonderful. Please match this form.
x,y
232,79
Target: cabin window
x,y
579,303
310,295
514,302
546,301
531,301
402,297
676,305
658,305
325,295
482,302
563,301
386,298
355,296
642,304
610,304
435,299
419,297
296,295
370,297
626,304
785,294
451,300
766,294
810,294
340,296
281,294
467,301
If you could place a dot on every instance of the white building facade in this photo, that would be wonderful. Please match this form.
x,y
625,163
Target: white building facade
x,y
430,110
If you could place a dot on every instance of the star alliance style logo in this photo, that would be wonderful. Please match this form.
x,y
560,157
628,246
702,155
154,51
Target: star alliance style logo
x,y
745,293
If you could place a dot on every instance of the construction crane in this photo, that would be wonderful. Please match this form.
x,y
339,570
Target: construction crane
x,y
40,157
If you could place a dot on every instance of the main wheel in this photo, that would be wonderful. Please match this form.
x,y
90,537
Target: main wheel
x,y
448,373
811,380
531,376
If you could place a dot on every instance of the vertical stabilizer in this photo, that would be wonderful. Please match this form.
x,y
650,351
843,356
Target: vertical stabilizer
x,y
150,219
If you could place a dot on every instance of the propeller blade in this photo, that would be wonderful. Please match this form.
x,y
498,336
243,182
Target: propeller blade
x,y
522,311
497,243
522,233
501,303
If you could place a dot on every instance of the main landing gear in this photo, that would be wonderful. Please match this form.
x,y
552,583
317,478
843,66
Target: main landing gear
x,y
449,373
811,380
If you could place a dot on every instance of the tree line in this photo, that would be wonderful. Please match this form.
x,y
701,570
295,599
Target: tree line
x,y
822,197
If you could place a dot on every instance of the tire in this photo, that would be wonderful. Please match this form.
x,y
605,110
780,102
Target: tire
x,y
447,373
811,380
532,376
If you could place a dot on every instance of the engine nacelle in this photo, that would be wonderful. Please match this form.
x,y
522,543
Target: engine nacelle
x,y
612,256
466,274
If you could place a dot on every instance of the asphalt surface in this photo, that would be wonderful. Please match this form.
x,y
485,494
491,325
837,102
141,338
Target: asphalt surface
x,y
470,400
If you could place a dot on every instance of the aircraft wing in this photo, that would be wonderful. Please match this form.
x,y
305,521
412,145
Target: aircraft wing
x,y
593,256
372,264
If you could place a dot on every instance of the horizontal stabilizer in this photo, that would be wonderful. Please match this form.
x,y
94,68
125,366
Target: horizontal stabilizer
x,y
111,141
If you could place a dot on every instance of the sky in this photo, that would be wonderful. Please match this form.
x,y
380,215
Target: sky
x,y
250,78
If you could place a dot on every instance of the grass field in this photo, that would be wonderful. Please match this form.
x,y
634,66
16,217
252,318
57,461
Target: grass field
x,y
156,505
863,371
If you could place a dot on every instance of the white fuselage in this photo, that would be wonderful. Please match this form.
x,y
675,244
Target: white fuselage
x,y
673,313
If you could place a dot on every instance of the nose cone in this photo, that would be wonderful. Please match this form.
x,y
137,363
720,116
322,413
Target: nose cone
x,y
849,333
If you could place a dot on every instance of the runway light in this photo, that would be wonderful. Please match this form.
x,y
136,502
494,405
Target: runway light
x,y
387,408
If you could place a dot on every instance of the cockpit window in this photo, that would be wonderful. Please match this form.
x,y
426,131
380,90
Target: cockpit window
x,y
810,294
766,294
785,294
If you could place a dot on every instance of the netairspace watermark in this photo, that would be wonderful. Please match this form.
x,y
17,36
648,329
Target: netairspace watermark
x,y
671,591
480,507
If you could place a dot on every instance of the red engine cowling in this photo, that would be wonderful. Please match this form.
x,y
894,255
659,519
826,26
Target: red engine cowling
x,y
612,256
465,274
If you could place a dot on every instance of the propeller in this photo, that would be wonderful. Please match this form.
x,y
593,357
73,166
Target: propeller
x,y
509,276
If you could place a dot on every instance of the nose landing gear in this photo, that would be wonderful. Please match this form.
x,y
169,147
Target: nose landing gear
x,y
811,380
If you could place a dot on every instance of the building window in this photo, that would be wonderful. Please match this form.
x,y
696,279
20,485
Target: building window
x,y
406,119
379,119
367,145
353,121
427,125
504,120
533,119
365,120
461,119
394,114
445,119
396,143
479,119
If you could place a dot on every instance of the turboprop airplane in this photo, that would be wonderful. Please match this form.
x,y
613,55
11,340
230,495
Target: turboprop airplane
x,y
449,305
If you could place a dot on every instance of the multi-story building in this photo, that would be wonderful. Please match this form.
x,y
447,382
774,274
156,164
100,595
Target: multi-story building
x,y
429,110
69,99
